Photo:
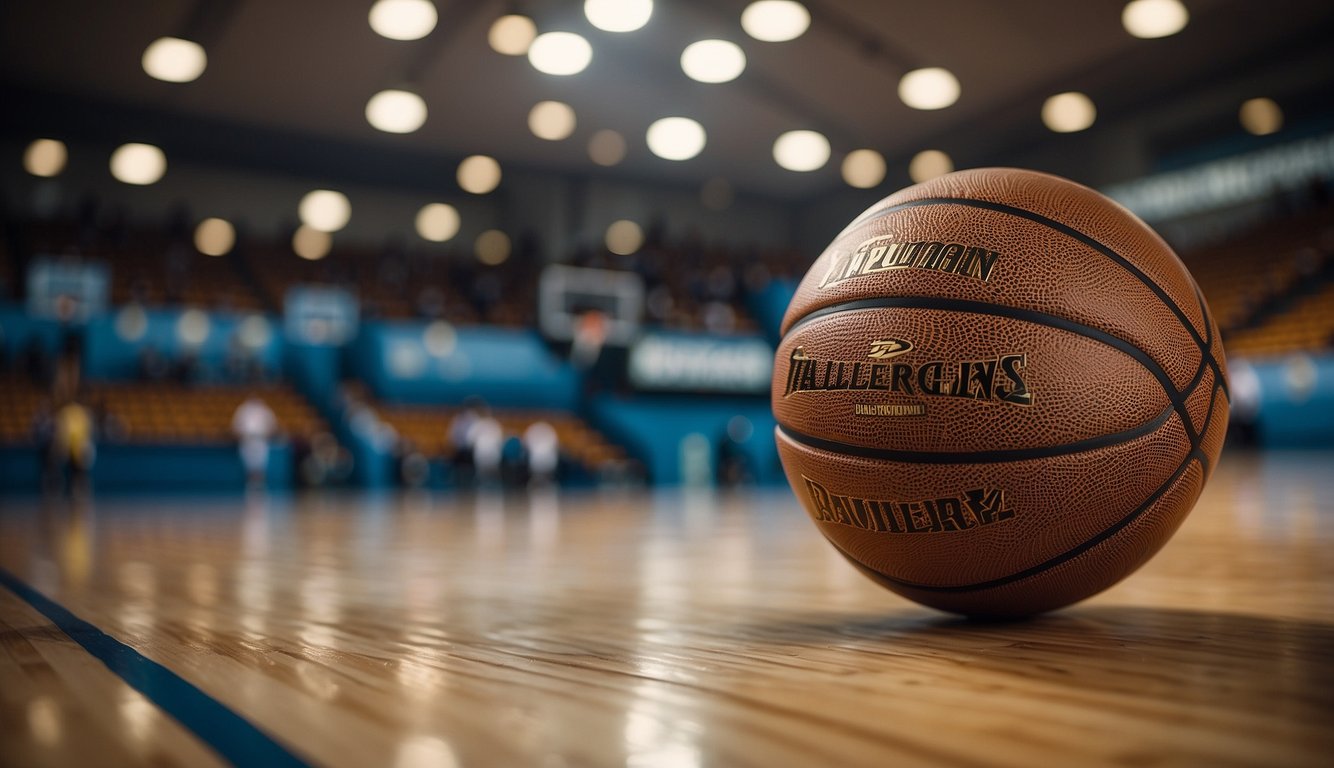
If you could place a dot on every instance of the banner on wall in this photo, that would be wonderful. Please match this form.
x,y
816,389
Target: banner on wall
x,y
71,291
320,315
699,363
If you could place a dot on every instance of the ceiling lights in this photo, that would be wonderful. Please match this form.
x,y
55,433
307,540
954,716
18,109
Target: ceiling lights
x,y
325,210
492,247
1261,116
618,15
713,61
606,147
395,111
479,174
675,138
863,168
138,163
45,157
775,21
512,34
560,53
403,19
551,120
215,237
174,60
801,150
928,164
1068,112
929,88
311,244
1154,18
437,222
624,237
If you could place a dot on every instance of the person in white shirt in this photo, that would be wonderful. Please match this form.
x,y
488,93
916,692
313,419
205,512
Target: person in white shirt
x,y
543,448
253,424
487,440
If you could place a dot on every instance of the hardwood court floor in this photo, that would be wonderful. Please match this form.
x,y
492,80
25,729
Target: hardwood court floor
x,y
645,630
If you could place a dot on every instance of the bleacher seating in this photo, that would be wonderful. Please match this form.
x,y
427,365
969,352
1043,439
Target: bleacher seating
x,y
427,429
155,413
1269,289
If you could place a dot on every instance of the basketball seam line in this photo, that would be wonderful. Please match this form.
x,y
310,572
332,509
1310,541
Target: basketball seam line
x,y
1064,557
1065,229
1027,315
981,457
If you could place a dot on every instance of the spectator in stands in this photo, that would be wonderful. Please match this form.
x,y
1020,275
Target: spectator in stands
x,y
487,440
460,431
1243,421
254,424
72,448
543,448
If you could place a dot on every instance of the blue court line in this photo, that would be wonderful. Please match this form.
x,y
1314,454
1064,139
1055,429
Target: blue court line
x,y
229,734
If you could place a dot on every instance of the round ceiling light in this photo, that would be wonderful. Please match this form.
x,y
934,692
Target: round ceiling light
x,y
606,147
864,168
45,157
1261,116
311,244
929,88
1068,112
512,34
624,237
395,111
801,150
325,210
438,222
560,53
676,138
551,120
928,164
713,61
215,237
479,174
775,21
618,15
138,163
174,60
1154,18
403,19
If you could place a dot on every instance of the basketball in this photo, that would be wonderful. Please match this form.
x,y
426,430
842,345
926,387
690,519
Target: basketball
x,y
998,392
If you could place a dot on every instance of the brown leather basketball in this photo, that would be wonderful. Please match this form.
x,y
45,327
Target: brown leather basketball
x,y
998,392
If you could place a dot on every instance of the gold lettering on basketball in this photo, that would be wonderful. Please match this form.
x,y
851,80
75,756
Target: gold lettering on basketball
x,y
970,509
882,254
997,379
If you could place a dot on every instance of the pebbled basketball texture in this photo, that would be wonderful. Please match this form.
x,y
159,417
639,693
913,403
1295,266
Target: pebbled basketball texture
x,y
998,392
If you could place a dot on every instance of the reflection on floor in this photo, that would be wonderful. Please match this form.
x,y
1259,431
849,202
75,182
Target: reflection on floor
x,y
671,629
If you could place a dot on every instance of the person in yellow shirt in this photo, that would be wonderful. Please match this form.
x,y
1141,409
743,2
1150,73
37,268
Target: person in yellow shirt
x,y
72,446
